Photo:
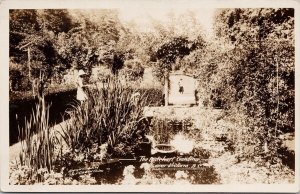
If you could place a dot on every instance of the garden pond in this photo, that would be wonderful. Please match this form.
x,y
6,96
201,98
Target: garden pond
x,y
20,110
169,157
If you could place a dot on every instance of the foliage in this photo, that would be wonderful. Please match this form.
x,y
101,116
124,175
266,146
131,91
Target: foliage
x,y
37,143
155,96
28,95
60,39
170,53
259,69
247,68
113,114
29,35
133,70
55,20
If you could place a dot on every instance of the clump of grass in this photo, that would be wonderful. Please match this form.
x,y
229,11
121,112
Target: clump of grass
x,y
113,114
37,141
38,145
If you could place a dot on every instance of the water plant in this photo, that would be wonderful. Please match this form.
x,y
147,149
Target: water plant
x,y
37,142
113,114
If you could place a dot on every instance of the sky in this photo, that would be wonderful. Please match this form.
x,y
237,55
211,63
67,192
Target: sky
x,y
142,16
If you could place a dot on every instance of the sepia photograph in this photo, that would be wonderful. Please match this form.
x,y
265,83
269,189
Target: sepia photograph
x,y
151,95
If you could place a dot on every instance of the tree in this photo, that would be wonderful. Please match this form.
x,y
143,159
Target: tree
x,y
92,41
170,53
32,39
173,40
27,43
261,67
22,24
55,20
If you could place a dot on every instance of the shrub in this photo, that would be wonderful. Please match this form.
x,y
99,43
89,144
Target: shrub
x,y
155,96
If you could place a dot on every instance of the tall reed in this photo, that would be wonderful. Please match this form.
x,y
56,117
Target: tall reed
x,y
37,141
113,114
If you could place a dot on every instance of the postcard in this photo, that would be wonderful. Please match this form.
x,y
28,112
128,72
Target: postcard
x,y
149,96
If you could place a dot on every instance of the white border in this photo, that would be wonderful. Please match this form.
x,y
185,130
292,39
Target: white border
x,y
5,5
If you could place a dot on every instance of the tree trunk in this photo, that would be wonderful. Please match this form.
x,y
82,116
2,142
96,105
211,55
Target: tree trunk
x,y
277,93
29,63
166,90
29,71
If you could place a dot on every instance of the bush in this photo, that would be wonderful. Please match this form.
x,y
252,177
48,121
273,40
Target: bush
x,y
155,96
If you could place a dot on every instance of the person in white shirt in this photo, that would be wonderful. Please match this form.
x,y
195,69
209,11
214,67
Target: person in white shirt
x,y
81,95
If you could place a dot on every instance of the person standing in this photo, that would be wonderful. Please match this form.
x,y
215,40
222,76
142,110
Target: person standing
x,y
81,95
181,89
